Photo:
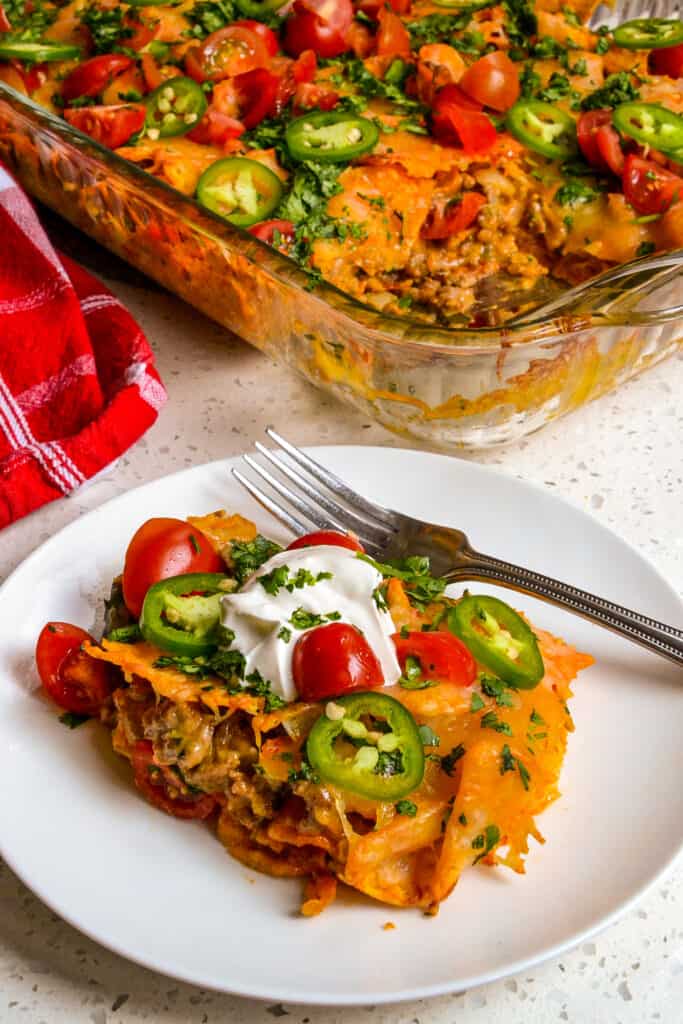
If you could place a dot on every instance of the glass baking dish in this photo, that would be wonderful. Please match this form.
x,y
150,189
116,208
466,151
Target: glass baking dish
x,y
448,388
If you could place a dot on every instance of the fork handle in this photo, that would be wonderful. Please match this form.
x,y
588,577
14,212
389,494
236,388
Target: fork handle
x,y
649,633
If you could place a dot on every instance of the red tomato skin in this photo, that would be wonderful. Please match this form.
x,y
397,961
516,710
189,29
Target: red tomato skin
x,y
257,91
74,680
162,548
112,126
442,656
156,793
648,187
493,81
599,141
668,61
267,228
393,39
609,147
314,25
453,220
93,75
310,96
454,124
334,659
216,128
332,537
228,52
266,34
5,23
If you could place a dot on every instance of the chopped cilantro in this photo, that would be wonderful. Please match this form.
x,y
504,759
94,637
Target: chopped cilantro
x,y
574,192
379,599
437,28
29,20
536,718
106,26
486,841
476,704
125,634
449,762
412,678
507,761
496,688
523,774
284,634
303,774
303,619
557,87
491,721
618,88
602,45
462,819
645,248
229,665
280,578
389,763
428,736
247,556
406,807
208,16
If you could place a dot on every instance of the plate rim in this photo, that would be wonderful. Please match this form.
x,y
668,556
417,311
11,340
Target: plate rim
x,y
316,998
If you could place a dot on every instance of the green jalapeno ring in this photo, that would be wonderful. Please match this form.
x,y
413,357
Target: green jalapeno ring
x,y
650,124
37,52
465,8
180,614
330,137
174,108
240,190
649,33
499,638
257,8
386,767
543,127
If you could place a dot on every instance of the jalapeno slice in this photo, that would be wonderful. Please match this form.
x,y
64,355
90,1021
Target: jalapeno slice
x,y
650,124
543,128
173,108
649,33
330,137
180,614
373,749
242,191
39,52
499,638
257,8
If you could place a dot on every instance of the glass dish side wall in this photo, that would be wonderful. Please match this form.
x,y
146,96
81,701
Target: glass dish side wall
x,y
447,388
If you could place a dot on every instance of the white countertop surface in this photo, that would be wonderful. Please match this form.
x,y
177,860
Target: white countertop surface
x,y
620,458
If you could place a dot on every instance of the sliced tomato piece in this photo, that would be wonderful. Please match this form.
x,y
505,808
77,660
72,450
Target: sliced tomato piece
x,y
360,40
257,91
456,125
492,80
112,126
142,32
157,786
94,75
668,61
393,39
457,215
599,141
340,540
74,680
318,25
443,658
648,187
609,147
5,23
216,128
271,230
228,52
311,96
271,41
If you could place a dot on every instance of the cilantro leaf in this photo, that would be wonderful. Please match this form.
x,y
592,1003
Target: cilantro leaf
x,y
247,556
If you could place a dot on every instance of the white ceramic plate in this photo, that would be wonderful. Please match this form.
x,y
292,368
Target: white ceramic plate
x,y
164,892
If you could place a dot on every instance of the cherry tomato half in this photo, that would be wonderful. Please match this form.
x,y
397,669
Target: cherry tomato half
x,y
162,548
112,125
668,61
159,785
455,124
266,34
648,187
94,75
334,659
216,128
256,91
599,141
311,96
5,23
393,39
492,80
228,52
454,217
74,680
318,25
442,656
266,232
333,537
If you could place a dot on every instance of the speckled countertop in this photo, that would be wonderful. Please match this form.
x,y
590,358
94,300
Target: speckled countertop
x,y
621,458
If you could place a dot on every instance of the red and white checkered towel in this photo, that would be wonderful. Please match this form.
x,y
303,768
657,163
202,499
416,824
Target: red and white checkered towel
x,y
77,379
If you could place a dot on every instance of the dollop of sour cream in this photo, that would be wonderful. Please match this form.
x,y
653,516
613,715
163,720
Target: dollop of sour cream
x,y
269,614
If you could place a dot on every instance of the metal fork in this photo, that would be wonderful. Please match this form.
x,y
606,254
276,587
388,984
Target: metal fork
x,y
615,14
322,500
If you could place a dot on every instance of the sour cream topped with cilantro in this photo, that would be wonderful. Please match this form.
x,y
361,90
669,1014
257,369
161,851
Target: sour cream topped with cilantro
x,y
299,590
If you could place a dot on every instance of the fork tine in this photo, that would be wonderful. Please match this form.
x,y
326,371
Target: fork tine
x,y
347,517
290,521
337,486
321,520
